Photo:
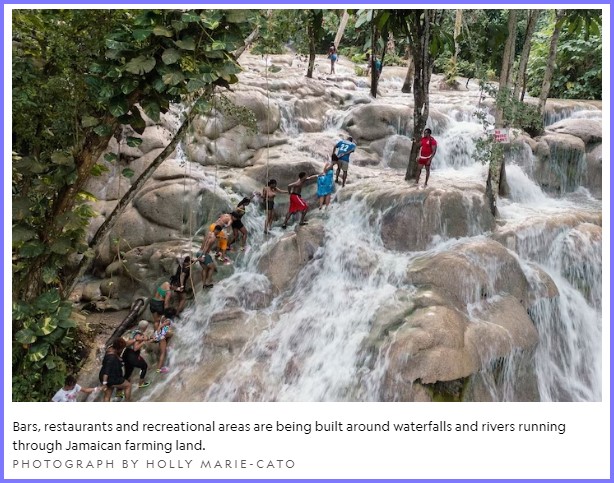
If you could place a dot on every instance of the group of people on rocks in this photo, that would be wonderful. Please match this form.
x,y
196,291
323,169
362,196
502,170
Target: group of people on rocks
x,y
124,354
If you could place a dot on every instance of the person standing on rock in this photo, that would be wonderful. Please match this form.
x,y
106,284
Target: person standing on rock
x,y
325,185
111,374
268,193
297,204
224,221
332,55
237,224
343,150
160,301
426,153
204,257
132,353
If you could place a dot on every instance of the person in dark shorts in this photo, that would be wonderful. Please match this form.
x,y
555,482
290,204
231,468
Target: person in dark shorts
x,y
180,282
268,193
237,223
111,374
160,300
204,257
132,354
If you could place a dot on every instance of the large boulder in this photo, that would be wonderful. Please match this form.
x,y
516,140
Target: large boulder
x,y
562,166
412,218
471,271
594,166
428,340
290,254
589,130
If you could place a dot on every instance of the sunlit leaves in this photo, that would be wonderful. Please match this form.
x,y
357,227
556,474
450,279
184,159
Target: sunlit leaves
x,y
141,65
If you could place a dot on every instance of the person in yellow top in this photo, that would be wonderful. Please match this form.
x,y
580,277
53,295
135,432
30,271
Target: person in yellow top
x,y
224,221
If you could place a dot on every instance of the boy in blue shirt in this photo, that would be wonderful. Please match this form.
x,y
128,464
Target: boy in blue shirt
x,y
344,148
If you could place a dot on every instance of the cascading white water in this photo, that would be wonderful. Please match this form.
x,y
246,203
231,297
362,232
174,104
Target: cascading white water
x,y
306,343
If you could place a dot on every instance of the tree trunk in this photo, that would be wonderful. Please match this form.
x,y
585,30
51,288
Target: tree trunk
x,y
507,63
312,47
374,76
458,23
409,77
422,78
109,223
526,50
341,29
554,40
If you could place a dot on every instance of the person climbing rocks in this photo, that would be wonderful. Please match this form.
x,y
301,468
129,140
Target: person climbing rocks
x,y
297,204
111,374
204,257
162,335
343,150
268,193
325,184
160,301
426,153
225,221
70,390
180,282
132,353
237,224
332,55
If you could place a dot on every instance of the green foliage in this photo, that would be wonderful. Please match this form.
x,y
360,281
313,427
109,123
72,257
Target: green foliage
x,y
77,76
516,114
578,71
43,344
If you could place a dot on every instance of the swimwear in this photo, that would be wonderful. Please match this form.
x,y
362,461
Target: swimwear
x,y
296,203
333,57
161,334
156,306
237,224
270,203
207,261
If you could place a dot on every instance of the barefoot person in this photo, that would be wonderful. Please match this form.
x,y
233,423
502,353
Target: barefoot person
x,y
325,185
343,150
237,224
204,257
426,153
332,55
268,193
297,204
224,221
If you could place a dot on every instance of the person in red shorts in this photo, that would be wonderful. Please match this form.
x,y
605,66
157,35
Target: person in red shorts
x,y
428,148
297,204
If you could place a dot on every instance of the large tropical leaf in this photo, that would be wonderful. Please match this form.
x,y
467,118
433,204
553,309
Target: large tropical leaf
x,y
141,65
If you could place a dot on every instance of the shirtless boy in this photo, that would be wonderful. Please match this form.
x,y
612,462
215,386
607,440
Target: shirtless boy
x,y
268,193
296,201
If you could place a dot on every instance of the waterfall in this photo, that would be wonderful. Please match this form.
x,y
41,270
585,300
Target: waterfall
x,y
315,338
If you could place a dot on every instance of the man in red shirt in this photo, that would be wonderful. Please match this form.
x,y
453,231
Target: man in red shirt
x,y
428,148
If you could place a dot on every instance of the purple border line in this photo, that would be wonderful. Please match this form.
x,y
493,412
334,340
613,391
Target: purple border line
x,y
277,2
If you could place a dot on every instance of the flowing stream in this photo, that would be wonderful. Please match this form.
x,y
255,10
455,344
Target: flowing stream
x,y
308,343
